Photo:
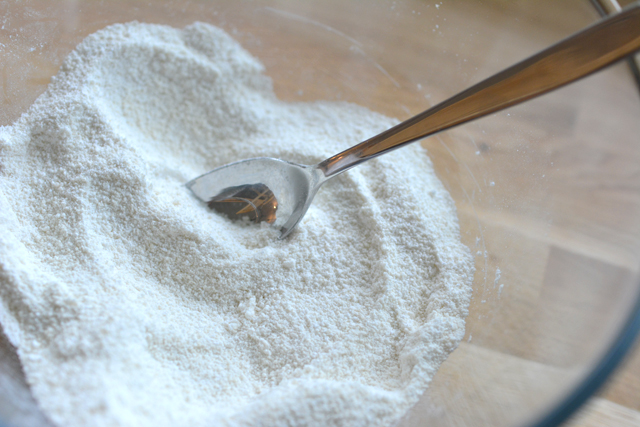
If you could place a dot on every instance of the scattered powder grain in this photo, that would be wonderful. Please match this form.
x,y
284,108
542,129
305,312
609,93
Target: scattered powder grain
x,y
132,305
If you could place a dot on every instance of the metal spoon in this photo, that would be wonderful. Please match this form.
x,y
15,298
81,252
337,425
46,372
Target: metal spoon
x,y
280,192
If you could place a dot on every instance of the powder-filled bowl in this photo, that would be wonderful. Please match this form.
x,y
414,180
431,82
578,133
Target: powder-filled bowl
x,y
546,192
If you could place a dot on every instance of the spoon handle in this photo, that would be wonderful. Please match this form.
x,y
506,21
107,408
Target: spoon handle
x,y
577,56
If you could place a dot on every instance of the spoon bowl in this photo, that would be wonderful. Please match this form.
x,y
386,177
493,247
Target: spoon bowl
x,y
260,189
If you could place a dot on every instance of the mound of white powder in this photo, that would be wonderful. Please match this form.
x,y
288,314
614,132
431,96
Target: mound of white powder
x,y
131,304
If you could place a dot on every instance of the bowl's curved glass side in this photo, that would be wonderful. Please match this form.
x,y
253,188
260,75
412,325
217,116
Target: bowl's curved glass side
x,y
622,343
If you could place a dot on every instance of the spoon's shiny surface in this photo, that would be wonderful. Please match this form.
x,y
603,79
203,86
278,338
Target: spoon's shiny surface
x,y
279,192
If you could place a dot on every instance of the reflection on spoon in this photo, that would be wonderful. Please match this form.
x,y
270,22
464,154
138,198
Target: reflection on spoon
x,y
253,201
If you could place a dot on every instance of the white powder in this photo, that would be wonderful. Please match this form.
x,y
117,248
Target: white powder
x,y
132,305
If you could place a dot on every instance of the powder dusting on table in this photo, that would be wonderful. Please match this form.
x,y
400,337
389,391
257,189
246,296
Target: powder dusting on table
x,y
132,304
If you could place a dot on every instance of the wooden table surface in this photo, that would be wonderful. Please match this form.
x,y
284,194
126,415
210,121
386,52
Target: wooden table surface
x,y
547,192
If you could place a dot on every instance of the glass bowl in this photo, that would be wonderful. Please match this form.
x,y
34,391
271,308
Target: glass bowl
x,y
548,192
